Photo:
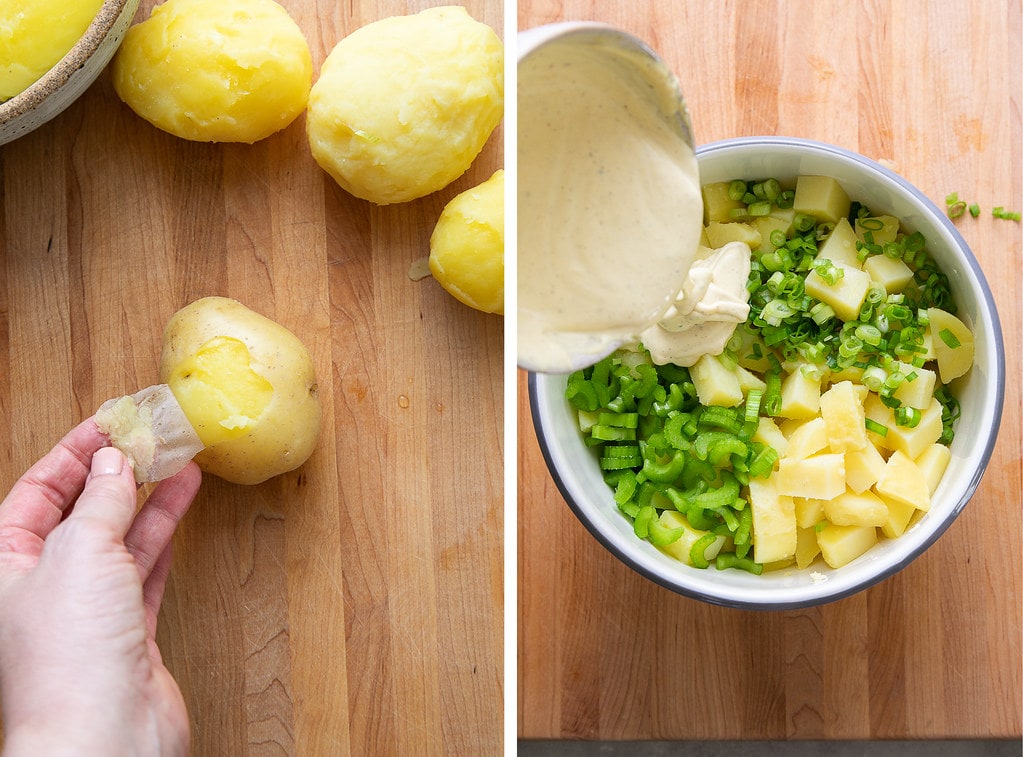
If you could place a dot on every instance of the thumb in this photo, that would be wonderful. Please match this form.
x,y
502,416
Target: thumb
x,y
110,494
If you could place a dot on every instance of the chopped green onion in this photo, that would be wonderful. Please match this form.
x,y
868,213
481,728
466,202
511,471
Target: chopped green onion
x,y
736,189
975,210
949,338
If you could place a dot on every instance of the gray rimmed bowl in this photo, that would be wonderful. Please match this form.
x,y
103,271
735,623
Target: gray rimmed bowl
x,y
52,93
576,472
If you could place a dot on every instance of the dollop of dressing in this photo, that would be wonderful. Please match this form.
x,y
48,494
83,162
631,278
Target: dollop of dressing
x,y
712,302
609,202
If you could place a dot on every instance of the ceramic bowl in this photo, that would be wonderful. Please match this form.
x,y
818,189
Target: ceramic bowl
x,y
575,469
71,75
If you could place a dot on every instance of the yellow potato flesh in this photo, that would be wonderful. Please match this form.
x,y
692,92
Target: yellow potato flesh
x,y
218,390
225,71
35,35
403,105
467,246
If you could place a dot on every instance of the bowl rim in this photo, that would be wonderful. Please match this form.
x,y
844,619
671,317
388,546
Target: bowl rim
x,y
60,72
997,351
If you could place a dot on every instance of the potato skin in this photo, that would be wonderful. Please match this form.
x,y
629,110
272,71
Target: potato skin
x,y
285,434
403,105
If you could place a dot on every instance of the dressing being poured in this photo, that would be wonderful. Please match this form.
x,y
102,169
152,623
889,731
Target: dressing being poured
x,y
609,203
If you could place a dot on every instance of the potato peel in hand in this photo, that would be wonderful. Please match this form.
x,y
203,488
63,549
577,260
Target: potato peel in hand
x,y
152,431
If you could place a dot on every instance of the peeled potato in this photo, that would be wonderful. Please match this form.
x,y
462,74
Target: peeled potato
x,y
467,246
247,386
403,105
224,71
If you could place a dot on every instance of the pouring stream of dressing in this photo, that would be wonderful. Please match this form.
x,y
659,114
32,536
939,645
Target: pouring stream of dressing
x,y
609,200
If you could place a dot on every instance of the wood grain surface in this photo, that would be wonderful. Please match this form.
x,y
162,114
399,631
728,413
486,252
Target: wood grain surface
x,y
355,605
935,650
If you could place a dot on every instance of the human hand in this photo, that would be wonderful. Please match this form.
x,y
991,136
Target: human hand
x,y
82,577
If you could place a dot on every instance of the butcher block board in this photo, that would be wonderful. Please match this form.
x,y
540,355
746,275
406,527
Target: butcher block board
x,y
933,652
353,606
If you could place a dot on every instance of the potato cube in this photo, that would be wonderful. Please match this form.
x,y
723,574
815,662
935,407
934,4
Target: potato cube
x,y
845,296
880,413
720,234
748,380
818,477
767,225
800,395
680,549
918,388
752,352
809,438
809,511
717,205
891,273
899,516
842,413
913,441
952,341
821,197
863,467
768,433
715,384
852,373
840,246
903,481
807,547
883,229
774,522
840,545
852,509
932,462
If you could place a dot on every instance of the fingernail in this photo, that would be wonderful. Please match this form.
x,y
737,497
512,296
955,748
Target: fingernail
x,y
108,461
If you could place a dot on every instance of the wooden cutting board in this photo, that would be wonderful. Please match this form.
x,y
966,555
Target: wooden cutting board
x,y
932,652
355,605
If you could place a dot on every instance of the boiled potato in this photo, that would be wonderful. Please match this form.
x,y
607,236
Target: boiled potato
x,y
225,71
467,246
34,36
247,386
403,105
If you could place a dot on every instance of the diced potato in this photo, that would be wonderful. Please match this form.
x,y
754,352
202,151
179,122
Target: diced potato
x,y
807,547
752,352
715,384
800,395
748,380
899,516
768,433
809,511
809,438
765,226
918,392
913,441
903,481
840,246
883,229
880,413
842,413
845,296
720,234
852,373
774,522
891,273
817,477
863,467
840,545
680,549
717,206
932,462
952,341
852,509
821,197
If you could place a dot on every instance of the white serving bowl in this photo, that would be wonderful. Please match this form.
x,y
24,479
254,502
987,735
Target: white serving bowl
x,y
52,93
575,469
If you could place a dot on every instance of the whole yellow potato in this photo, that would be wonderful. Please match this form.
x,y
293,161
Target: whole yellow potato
x,y
404,105
247,386
35,35
224,71
467,246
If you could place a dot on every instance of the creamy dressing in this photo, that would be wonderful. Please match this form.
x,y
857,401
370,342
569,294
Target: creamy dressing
x,y
713,301
609,201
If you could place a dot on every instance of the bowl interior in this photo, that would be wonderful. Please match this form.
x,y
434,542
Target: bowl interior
x,y
576,472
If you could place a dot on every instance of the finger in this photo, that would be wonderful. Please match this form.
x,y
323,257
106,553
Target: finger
x,y
109,495
156,521
39,498
154,587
